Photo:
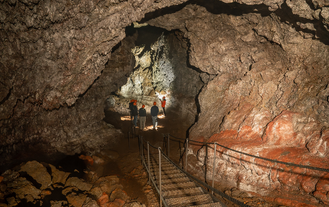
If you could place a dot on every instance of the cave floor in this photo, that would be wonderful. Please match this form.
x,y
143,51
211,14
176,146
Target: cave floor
x,y
128,166
123,159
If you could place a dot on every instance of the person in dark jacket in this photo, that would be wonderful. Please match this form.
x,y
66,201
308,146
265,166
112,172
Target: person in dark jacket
x,y
142,117
154,114
131,104
134,113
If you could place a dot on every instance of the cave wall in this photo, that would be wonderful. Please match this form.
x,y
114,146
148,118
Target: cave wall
x,y
51,54
268,96
254,64
265,64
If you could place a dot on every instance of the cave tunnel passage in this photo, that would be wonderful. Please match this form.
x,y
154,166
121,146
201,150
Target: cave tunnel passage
x,y
158,68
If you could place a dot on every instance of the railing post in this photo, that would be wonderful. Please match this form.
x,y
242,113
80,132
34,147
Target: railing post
x,y
186,149
148,161
142,147
213,168
168,145
160,176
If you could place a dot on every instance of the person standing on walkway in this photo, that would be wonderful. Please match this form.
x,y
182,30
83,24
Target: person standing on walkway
x,y
135,113
163,104
131,104
154,114
142,117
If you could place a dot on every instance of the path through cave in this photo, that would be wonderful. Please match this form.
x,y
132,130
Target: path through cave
x,y
129,157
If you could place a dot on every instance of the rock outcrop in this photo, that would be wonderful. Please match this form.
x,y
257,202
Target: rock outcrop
x,y
52,54
33,184
269,98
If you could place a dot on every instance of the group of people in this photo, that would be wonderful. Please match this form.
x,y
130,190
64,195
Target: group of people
x,y
134,112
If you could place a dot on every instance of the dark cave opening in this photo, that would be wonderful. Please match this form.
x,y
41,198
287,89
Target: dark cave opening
x,y
165,72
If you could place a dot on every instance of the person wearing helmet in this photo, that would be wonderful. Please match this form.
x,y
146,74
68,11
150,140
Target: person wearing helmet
x,y
142,117
134,113
163,104
154,114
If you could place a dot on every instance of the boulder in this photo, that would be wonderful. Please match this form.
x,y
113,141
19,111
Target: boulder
x,y
38,172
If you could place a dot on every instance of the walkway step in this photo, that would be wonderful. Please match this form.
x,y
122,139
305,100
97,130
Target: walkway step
x,y
189,200
169,167
218,204
157,161
164,171
164,167
176,186
162,163
175,180
177,189
182,193
167,176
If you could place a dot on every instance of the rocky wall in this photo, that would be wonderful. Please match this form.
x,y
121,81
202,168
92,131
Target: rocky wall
x,y
52,53
268,96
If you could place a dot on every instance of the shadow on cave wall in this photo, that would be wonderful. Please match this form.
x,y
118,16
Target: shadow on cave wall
x,y
284,13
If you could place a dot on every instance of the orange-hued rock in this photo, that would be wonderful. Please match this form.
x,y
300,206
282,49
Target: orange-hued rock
x,y
116,203
293,203
119,194
45,193
247,133
285,184
87,158
280,131
103,200
319,144
323,184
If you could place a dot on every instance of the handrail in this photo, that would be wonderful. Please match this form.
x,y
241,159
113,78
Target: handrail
x,y
206,185
187,141
161,153
263,158
162,201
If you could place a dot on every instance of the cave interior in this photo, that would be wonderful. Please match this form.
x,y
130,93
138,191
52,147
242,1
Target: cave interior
x,y
250,75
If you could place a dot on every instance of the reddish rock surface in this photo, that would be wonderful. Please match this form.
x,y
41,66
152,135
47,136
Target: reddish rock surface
x,y
287,185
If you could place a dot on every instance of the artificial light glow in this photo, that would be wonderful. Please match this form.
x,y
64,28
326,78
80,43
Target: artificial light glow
x,y
162,116
163,93
147,128
139,25
125,118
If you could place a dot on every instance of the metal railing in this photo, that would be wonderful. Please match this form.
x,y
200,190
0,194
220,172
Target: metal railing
x,y
147,166
158,187
250,155
186,142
